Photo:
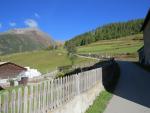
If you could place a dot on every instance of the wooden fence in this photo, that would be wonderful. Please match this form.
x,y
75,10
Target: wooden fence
x,y
48,95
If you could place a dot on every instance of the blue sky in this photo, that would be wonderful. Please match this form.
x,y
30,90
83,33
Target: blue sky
x,y
64,19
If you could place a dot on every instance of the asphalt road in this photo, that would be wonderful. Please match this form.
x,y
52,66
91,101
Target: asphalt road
x,y
132,94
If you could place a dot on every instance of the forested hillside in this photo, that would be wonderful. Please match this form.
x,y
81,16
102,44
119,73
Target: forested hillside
x,y
109,31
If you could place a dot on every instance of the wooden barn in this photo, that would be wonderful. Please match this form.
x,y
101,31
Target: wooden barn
x,y
144,52
10,70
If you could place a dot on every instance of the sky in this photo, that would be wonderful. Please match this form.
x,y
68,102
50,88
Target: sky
x,y
64,19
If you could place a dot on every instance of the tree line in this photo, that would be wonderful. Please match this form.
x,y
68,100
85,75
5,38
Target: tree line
x,y
107,32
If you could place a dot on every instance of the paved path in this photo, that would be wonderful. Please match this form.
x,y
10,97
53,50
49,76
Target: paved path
x,y
132,93
87,57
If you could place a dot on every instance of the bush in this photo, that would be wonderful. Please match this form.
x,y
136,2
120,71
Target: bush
x,y
60,74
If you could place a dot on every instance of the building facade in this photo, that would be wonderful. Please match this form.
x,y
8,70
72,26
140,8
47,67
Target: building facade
x,y
10,70
145,53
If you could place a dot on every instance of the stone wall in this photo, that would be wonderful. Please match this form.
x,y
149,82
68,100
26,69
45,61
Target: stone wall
x,y
81,102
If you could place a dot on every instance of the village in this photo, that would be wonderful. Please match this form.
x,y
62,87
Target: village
x,y
103,69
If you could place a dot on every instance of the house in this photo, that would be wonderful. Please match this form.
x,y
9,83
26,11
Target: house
x,y
144,52
10,70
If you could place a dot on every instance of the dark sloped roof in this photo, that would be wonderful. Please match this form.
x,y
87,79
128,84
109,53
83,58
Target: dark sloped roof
x,y
147,18
5,63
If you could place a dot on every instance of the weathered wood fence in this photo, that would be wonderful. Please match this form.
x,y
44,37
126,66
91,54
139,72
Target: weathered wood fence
x,y
48,95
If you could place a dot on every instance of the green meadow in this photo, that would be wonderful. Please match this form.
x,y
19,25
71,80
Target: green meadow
x,y
44,61
129,44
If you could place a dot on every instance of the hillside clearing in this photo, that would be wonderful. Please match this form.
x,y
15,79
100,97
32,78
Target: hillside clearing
x,y
129,44
44,61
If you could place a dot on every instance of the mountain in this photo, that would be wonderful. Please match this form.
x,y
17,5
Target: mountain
x,y
24,39
107,32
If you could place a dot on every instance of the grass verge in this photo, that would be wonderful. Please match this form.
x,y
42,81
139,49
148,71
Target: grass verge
x,y
100,103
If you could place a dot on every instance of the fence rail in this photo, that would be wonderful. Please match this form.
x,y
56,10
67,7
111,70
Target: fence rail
x,y
48,95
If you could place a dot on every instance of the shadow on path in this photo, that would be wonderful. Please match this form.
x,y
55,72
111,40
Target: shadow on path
x,y
133,84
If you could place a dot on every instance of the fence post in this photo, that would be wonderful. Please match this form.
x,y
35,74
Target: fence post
x,y
41,97
13,101
36,99
71,87
100,76
60,91
68,81
44,96
68,87
88,80
57,92
5,105
54,94
52,104
19,102
25,108
31,99
48,95
63,90
77,84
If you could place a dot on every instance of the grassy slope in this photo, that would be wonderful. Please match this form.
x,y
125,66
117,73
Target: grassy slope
x,y
48,60
122,45
42,60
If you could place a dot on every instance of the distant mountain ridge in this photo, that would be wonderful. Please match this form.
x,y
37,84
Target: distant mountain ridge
x,y
24,39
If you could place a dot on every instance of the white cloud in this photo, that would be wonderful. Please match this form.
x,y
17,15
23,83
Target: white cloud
x,y
31,23
36,15
0,25
12,24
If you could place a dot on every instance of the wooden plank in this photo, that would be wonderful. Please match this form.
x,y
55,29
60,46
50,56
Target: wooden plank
x,y
19,102
52,92
31,99
25,103
13,101
5,105
44,96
